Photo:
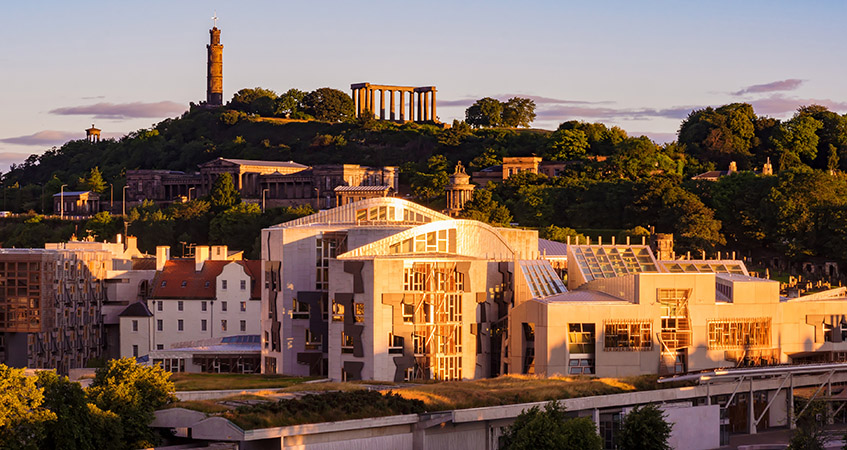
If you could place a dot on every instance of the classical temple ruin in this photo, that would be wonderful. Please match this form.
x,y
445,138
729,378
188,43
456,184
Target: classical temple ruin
x,y
420,106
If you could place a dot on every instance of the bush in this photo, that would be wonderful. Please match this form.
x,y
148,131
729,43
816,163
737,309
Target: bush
x,y
645,428
551,429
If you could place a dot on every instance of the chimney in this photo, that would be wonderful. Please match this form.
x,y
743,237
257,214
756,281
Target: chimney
x,y
163,253
201,255
219,252
118,239
132,245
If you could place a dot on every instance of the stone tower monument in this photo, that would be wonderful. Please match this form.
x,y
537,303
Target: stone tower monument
x,y
215,66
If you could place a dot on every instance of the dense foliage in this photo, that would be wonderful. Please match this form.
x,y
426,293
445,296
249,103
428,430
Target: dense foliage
x,y
644,428
551,429
327,407
608,180
49,411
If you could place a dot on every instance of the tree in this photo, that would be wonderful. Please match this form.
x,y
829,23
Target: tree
x,y
809,434
237,227
103,225
535,429
223,194
79,425
518,112
133,392
243,99
289,103
22,415
720,135
454,135
428,184
796,141
485,112
484,208
644,428
94,182
329,105
560,234
566,145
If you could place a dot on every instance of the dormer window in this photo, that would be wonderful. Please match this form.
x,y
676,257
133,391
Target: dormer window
x,y
164,283
184,283
206,285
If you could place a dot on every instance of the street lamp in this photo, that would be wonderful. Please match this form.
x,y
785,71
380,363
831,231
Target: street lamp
x,y
62,202
123,204
111,198
263,198
189,192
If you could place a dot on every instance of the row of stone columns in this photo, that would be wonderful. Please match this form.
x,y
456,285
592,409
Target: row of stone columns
x,y
365,100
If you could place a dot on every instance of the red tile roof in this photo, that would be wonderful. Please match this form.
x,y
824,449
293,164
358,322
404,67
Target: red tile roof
x,y
168,283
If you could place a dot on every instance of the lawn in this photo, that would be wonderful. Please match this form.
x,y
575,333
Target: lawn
x,y
220,381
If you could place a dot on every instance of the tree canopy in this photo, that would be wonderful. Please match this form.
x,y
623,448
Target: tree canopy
x,y
490,112
329,104
644,428
551,429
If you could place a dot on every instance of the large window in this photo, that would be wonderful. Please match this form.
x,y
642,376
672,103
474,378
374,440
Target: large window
x,y
581,337
627,335
439,241
739,333
326,248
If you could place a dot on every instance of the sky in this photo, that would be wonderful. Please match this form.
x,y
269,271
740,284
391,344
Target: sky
x,y
643,66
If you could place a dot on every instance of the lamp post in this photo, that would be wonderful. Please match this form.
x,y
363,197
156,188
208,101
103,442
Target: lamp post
x,y
123,203
111,198
189,192
263,198
62,202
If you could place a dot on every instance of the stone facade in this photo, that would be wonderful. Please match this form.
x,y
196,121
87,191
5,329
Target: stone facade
x,y
279,183
421,105
516,164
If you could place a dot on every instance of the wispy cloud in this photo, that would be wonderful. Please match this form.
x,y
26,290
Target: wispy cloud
x,y
779,105
564,112
105,110
539,100
42,138
776,86
96,97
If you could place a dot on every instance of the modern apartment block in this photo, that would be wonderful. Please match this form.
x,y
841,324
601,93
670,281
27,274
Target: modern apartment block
x,y
386,289
214,295
51,307
628,314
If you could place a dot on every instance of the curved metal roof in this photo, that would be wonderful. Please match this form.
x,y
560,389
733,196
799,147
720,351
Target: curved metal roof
x,y
405,212
459,237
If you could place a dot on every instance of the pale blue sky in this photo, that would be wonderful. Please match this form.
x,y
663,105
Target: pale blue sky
x,y
639,65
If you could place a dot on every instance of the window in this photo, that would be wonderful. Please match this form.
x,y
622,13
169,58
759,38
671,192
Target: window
x,y
159,305
243,306
179,305
160,346
627,335
203,325
243,325
581,338
159,325
164,283
223,284
346,343
223,325
313,340
184,283
223,306
395,343
243,285
203,305
739,333
206,284
360,312
408,313
300,310
179,325
134,326
135,351
337,312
